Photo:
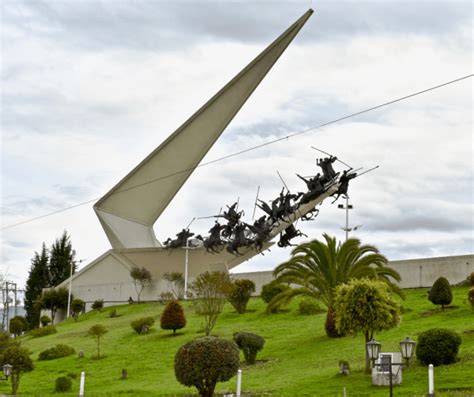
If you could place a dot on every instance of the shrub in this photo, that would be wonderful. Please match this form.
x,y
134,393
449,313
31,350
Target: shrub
x,y
441,293
470,296
205,361
98,305
142,325
18,325
57,351
250,344
308,307
269,291
63,384
438,346
77,306
43,331
113,313
19,358
44,320
166,297
173,317
239,294
470,279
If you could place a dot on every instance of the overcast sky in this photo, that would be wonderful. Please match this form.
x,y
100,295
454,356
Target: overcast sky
x,y
89,88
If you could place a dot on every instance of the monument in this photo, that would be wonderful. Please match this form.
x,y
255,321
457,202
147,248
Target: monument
x,y
128,211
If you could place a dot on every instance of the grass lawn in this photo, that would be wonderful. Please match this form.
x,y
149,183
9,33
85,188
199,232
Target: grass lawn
x,y
298,358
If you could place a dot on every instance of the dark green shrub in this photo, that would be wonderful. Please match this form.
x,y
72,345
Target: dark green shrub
x,y
470,296
205,361
44,320
77,306
18,325
270,290
250,344
63,384
57,351
173,317
97,305
438,346
142,325
308,307
441,293
113,313
470,279
239,294
43,331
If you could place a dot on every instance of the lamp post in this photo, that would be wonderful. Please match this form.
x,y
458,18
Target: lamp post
x,y
7,371
406,346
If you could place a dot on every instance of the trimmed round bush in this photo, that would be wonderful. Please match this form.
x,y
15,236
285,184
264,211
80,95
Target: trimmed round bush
x,y
142,325
57,351
63,384
45,320
440,293
438,346
250,344
205,361
308,307
173,317
43,331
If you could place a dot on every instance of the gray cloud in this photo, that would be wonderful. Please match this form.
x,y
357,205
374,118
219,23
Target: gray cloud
x,y
149,25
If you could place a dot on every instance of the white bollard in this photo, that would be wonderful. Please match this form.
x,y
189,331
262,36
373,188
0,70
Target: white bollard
x,y
81,387
430,380
239,382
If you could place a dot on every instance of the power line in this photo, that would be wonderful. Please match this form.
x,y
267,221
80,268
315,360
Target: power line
x,y
248,149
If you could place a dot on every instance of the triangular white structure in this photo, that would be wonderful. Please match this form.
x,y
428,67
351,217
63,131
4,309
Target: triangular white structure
x,y
128,211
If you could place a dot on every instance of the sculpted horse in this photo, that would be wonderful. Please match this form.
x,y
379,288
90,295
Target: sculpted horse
x,y
239,240
214,243
289,233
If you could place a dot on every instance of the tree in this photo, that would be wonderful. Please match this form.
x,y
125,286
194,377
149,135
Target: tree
x,y
77,306
440,293
210,289
61,257
19,358
239,294
38,278
97,331
205,361
250,344
364,305
173,317
54,299
141,277
319,267
175,284
18,325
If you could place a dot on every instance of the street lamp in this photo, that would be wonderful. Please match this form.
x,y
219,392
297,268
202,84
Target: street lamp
x,y
373,349
407,346
7,371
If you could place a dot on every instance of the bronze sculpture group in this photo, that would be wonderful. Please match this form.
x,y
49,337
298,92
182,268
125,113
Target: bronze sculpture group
x,y
237,234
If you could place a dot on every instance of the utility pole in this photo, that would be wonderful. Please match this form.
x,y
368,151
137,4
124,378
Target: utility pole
x,y
346,207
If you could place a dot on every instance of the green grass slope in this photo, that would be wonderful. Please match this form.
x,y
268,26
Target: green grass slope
x,y
298,359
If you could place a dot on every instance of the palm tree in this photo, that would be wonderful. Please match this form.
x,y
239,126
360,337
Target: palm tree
x,y
317,267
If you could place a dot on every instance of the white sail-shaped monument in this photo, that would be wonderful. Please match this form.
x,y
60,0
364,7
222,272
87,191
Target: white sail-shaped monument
x,y
129,210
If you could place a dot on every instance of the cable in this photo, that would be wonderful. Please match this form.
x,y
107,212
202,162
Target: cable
x,y
250,149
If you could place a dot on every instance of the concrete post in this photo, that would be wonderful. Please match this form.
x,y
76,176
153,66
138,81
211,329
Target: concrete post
x,y
431,380
83,381
239,382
